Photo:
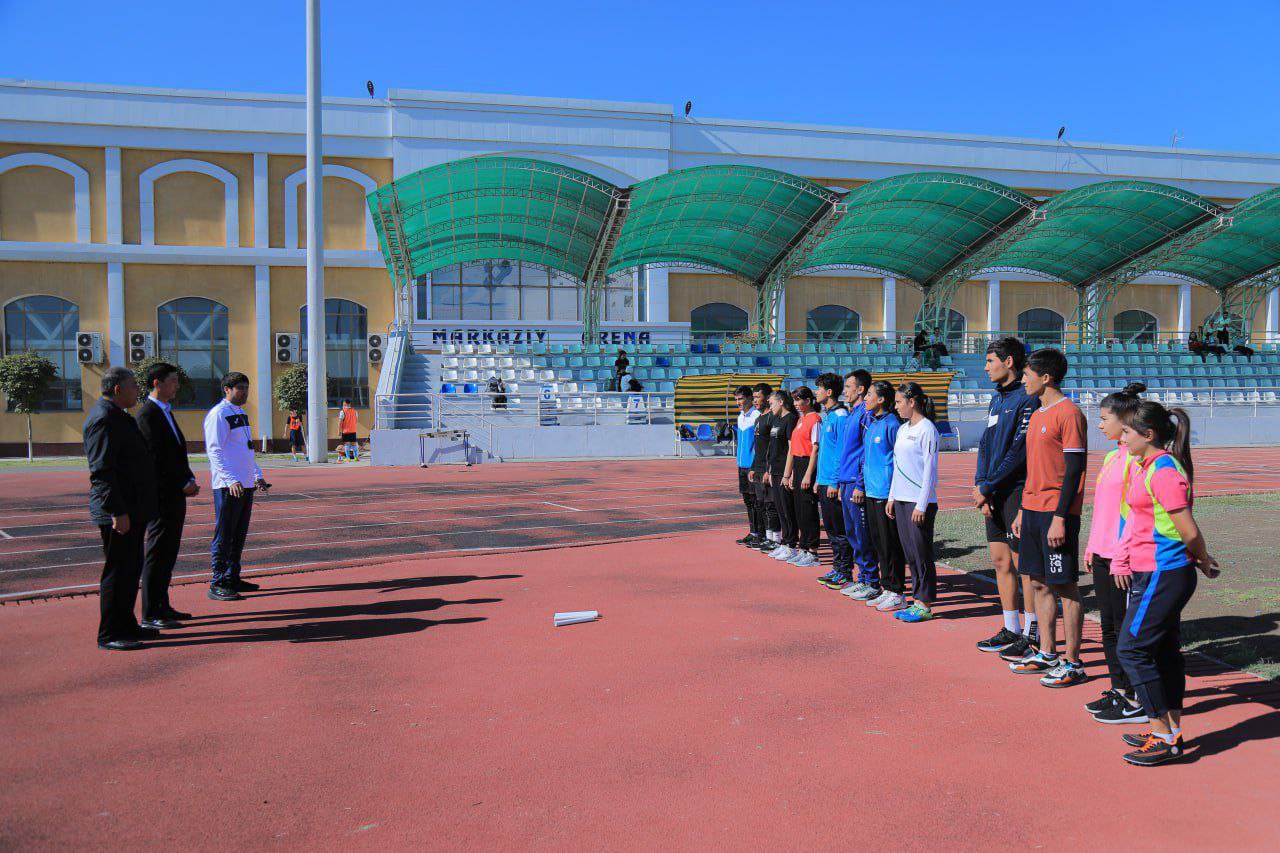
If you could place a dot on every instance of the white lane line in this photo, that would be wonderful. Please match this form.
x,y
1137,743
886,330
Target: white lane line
x,y
548,503
4,535
296,545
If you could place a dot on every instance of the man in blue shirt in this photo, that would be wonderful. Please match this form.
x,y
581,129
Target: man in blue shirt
x,y
745,436
835,419
849,473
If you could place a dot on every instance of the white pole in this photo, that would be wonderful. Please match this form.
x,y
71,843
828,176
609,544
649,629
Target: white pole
x,y
317,393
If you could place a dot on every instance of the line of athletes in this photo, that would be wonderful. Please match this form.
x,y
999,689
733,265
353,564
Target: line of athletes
x,y
866,466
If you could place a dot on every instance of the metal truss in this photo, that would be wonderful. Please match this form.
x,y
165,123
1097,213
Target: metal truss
x,y
389,216
598,265
773,280
1242,299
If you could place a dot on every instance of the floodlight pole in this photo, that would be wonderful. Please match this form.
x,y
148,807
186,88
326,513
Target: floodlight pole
x,y
317,392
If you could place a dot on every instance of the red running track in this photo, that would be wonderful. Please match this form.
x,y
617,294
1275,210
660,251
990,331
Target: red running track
x,y
723,702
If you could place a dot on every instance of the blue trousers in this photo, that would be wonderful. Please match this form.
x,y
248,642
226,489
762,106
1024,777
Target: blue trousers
x,y
855,529
1149,646
230,527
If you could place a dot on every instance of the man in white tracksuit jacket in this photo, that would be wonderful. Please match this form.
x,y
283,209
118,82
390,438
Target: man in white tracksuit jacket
x,y
236,476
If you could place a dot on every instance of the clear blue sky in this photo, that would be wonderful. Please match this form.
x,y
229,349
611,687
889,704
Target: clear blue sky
x,y
1112,71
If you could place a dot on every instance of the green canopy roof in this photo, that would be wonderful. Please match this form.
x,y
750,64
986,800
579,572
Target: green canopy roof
x,y
739,219
1095,229
918,226
1248,245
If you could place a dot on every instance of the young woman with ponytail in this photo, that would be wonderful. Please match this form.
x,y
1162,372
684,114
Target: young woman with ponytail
x,y
785,417
1160,550
913,499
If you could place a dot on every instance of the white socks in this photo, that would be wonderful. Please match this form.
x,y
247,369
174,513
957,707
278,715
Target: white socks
x,y
1030,624
1011,621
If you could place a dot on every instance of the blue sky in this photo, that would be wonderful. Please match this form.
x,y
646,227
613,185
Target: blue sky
x,y
1119,71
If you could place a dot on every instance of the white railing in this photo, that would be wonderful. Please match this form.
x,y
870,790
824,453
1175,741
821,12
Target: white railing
x,y
490,411
969,405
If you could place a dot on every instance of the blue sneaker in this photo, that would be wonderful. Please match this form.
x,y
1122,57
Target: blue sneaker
x,y
828,576
915,613
839,581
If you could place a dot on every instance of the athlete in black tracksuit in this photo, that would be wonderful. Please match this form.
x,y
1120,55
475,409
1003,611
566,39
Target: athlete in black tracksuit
x,y
760,464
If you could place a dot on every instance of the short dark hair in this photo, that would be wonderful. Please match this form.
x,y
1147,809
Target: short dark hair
x,y
346,401
1009,347
831,382
742,391
1048,362
233,379
114,378
159,372
861,377
763,388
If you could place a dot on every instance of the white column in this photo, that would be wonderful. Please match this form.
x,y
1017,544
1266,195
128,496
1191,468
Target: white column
x,y
116,339
890,320
1184,309
115,229
260,220
1273,316
317,392
780,320
656,302
265,346
993,306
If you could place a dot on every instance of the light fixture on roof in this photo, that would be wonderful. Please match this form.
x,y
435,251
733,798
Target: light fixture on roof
x,y
1061,131
688,108
368,84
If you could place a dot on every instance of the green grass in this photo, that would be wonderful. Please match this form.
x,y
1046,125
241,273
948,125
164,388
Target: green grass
x,y
1235,617
266,460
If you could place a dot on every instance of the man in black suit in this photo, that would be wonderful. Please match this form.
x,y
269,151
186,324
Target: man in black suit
x,y
174,484
122,499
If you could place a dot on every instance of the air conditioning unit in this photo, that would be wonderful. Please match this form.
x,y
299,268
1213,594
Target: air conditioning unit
x,y
375,349
142,345
89,347
286,348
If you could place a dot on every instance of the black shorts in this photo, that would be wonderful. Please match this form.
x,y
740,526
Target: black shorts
x,y
1004,509
745,486
295,439
348,438
1036,559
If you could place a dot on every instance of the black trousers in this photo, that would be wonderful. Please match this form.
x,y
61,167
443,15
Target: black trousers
x,y
786,512
118,588
1112,603
764,501
164,537
1150,643
833,520
883,531
748,491
805,503
917,548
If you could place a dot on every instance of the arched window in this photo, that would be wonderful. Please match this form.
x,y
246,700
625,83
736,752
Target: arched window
x,y
716,320
1135,327
192,332
346,347
1041,327
48,326
833,323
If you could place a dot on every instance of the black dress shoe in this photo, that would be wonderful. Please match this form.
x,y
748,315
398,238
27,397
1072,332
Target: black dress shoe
x,y
223,593
245,586
164,623
145,632
176,615
119,645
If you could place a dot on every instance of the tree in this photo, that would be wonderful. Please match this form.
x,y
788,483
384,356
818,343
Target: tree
x,y
291,389
186,390
25,378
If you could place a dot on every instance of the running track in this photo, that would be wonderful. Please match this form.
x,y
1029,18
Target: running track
x,y
329,516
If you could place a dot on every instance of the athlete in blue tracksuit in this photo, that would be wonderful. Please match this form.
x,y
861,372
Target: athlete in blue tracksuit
x,y
849,473
877,471
745,433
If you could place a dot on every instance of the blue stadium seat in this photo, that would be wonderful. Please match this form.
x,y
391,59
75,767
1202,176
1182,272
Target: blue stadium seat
x,y
664,361
764,361
695,348
713,348
814,373
448,388
470,388
706,432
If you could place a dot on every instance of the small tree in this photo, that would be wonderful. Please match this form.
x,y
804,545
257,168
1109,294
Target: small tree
x,y
291,389
25,378
186,390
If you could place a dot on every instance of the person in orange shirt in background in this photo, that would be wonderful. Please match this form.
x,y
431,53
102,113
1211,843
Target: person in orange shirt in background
x,y
297,444
347,432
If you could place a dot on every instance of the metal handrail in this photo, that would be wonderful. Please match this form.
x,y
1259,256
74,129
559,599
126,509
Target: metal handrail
x,y
1232,397
482,409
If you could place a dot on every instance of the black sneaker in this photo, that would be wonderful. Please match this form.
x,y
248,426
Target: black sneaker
x,y
1102,703
245,586
746,540
1001,641
224,593
839,581
1018,650
1120,712
1156,750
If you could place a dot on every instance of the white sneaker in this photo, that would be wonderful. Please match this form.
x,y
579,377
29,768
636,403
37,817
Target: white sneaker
x,y
774,553
807,559
874,602
784,553
854,590
868,592
892,603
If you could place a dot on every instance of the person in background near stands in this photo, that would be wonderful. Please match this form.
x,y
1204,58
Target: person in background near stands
x,y
1160,550
826,464
347,425
1117,703
913,499
997,492
877,478
759,464
1048,525
745,433
1195,343
849,473
297,444
235,477
785,418
122,499
798,468
174,484
621,366
633,384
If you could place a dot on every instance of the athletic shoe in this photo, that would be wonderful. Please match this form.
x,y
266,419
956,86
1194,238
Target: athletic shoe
x,y
828,576
839,581
1120,712
1020,649
750,540
1155,751
854,589
1001,641
867,594
1064,674
1034,664
892,602
784,554
223,593
806,559
767,545
1102,703
879,599
915,613
1136,740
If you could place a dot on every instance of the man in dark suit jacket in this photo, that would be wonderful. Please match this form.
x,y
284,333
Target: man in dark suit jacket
x,y
122,499
174,484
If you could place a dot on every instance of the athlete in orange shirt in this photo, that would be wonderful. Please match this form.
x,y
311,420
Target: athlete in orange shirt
x,y
347,432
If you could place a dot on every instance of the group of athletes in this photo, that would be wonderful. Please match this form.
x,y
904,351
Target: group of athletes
x,y
859,457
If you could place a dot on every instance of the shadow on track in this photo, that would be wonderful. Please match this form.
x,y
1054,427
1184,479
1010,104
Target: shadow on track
x,y
396,585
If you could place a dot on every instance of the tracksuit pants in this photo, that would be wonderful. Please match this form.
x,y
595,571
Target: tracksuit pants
x,y
883,532
1112,604
1149,646
809,530
917,548
833,520
748,491
164,537
230,527
118,587
786,512
764,501
855,528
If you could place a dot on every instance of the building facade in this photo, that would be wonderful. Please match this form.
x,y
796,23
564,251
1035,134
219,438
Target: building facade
x,y
179,214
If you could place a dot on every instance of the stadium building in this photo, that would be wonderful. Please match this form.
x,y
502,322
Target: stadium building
x,y
150,221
